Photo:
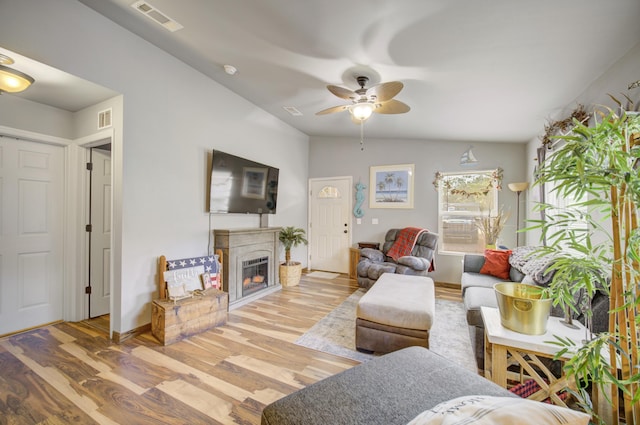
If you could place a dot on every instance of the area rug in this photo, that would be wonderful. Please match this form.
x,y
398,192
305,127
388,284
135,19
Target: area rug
x,y
323,275
335,333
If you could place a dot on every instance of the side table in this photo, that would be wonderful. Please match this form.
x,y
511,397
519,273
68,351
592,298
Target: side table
x,y
502,345
354,259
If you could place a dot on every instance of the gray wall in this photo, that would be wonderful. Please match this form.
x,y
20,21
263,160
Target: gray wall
x,y
329,157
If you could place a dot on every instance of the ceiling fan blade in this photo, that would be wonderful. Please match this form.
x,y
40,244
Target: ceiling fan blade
x,y
392,107
332,110
341,92
385,91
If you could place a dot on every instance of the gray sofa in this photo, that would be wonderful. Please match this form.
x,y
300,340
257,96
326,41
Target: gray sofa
x,y
373,263
391,389
477,291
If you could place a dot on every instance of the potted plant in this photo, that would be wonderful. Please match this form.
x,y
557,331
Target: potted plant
x,y
290,271
491,226
596,246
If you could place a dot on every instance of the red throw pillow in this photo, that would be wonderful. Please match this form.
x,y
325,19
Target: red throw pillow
x,y
496,263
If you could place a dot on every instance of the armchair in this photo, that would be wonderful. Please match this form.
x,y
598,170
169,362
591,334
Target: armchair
x,y
373,263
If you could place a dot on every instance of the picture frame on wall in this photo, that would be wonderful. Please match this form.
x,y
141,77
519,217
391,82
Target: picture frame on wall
x,y
391,186
254,182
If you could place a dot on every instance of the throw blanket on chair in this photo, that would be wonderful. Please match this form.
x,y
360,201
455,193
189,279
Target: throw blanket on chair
x,y
405,242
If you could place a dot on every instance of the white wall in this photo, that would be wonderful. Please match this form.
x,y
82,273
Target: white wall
x,y
330,157
38,118
614,82
173,117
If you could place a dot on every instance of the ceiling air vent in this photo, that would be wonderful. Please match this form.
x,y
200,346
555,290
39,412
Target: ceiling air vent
x,y
153,13
104,118
293,111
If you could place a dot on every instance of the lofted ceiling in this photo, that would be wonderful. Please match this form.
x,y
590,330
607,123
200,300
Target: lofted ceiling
x,y
490,70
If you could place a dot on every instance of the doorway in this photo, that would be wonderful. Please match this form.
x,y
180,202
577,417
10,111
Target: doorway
x,y
99,231
330,223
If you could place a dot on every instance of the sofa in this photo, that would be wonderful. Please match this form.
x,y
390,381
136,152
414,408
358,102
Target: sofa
x,y
391,389
373,263
477,291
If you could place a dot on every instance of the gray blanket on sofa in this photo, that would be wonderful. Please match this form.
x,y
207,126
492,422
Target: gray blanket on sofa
x,y
531,264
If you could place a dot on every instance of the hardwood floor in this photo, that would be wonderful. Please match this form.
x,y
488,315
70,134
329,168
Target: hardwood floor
x,y
70,373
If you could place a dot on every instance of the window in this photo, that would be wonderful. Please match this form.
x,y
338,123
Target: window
x,y
463,198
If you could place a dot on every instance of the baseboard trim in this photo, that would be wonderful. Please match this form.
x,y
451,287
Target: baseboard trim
x,y
118,337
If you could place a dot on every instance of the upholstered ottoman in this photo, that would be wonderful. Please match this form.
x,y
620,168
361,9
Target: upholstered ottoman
x,y
395,313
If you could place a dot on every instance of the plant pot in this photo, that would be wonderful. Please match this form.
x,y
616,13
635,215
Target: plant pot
x,y
521,308
290,273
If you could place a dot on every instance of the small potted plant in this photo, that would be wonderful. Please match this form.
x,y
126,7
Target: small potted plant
x,y
290,271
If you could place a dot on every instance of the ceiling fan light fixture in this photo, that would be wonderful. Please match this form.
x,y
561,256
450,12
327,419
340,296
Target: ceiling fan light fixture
x,y
13,81
361,111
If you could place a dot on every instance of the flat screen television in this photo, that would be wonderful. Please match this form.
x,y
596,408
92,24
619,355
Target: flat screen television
x,y
239,185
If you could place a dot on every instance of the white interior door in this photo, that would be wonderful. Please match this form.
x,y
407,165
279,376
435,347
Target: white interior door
x,y
100,246
330,226
31,234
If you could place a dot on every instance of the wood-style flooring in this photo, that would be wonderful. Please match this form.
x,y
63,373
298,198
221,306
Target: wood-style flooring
x,y
70,373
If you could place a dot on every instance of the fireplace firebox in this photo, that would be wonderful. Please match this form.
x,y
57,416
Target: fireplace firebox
x,y
255,275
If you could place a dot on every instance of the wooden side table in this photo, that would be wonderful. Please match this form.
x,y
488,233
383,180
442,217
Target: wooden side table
x,y
354,259
502,345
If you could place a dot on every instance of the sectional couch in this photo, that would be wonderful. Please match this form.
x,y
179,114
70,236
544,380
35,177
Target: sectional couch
x,y
477,291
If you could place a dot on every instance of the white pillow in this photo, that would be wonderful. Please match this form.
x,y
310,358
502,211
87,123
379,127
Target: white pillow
x,y
481,410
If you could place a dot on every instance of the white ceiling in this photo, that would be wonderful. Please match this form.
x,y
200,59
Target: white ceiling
x,y
473,70
56,88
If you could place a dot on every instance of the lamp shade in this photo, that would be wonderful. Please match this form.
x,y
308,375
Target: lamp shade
x,y
361,111
12,81
518,187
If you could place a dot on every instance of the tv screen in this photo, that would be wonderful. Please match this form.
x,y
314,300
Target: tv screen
x,y
239,185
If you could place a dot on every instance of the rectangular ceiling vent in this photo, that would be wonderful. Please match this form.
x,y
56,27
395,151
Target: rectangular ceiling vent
x,y
293,111
104,118
153,13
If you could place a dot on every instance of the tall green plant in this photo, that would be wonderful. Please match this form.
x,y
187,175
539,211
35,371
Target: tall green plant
x,y
597,165
291,237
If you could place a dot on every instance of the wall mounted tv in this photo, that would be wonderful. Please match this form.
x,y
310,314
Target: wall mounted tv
x,y
242,186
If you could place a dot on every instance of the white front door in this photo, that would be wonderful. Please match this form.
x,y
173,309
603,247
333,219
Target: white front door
x,y
100,246
31,234
330,225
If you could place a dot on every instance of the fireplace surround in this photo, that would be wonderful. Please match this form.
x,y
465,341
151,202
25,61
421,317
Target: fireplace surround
x,y
250,262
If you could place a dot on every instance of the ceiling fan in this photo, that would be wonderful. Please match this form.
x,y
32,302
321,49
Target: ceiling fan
x,y
364,102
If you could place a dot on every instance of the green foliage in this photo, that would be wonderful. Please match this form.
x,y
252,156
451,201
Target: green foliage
x,y
290,237
594,238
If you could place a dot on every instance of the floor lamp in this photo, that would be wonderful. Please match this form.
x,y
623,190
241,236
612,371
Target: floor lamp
x,y
518,188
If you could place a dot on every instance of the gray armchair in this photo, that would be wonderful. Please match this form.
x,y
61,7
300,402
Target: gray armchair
x,y
373,263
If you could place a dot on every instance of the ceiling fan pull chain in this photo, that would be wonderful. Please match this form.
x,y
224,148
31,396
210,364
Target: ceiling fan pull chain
x,y
362,135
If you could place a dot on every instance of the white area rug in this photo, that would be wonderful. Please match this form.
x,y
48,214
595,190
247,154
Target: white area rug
x,y
323,275
335,333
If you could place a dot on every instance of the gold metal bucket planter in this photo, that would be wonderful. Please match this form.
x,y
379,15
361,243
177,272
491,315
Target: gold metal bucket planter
x,y
521,308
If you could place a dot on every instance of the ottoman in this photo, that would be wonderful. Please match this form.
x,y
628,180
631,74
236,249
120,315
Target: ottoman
x,y
395,313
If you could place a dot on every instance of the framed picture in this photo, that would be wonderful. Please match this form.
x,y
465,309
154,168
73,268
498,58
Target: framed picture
x,y
254,182
206,280
391,186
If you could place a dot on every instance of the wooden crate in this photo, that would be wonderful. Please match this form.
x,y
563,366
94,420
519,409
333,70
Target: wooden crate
x,y
172,322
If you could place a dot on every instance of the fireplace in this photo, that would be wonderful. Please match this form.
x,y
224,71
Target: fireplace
x,y
255,275
250,260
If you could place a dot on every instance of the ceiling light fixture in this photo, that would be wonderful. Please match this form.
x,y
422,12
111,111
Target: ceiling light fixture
x,y
13,81
361,111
